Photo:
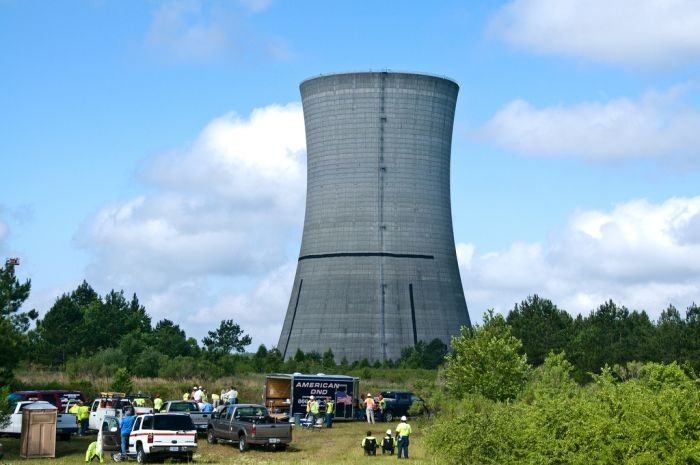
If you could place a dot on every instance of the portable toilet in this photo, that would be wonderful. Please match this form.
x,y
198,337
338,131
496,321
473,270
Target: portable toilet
x,y
38,437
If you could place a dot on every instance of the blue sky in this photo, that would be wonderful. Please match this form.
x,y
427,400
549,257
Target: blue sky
x,y
158,146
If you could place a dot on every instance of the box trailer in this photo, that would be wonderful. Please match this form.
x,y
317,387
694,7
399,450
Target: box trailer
x,y
287,394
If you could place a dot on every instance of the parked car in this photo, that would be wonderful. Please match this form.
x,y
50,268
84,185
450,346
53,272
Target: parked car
x,y
66,423
248,424
155,436
398,403
59,398
189,407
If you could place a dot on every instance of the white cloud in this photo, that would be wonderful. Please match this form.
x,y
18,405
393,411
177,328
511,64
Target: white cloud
x,y
656,124
644,256
222,217
642,32
185,31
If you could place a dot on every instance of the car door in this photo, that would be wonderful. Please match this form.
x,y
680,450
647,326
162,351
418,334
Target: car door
x,y
111,439
94,422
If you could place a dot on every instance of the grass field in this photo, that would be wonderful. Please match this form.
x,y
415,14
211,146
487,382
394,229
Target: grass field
x,y
338,445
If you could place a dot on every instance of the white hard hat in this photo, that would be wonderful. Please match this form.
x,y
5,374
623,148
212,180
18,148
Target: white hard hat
x,y
369,394
388,432
403,418
312,397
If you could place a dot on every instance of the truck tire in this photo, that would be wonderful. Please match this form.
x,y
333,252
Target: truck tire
x,y
141,456
211,439
388,416
242,443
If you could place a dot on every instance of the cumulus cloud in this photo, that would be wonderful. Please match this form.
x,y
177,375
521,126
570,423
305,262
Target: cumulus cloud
x,y
644,256
222,217
186,31
655,124
643,32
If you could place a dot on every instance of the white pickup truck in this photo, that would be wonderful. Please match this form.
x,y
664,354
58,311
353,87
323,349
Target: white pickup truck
x,y
66,423
154,436
111,406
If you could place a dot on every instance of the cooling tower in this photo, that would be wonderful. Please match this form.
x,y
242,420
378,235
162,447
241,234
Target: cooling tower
x,y
377,271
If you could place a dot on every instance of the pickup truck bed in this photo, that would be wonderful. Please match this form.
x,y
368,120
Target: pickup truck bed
x,y
246,425
66,423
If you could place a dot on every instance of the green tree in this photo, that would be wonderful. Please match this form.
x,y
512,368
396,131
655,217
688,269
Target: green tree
x,y
122,381
59,333
227,338
541,326
486,361
168,339
13,323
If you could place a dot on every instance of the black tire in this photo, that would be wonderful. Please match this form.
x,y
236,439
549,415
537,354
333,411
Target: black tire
x,y
141,456
388,416
117,456
242,443
65,437
211,439
280,447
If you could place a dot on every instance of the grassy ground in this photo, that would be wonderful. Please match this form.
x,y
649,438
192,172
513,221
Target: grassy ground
x,y
339,445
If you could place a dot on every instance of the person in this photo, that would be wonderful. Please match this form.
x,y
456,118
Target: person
x,y
388,443
314,409
198,395
369,408
186,396
207,407
382,407
140,401
126,427
231,395
83,418
308,405
215,398
403,431
369,444
157,403
329,413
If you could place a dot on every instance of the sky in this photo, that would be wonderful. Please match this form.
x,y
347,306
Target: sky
x,y
157,147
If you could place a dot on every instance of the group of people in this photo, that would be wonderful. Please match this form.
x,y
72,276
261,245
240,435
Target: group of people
x,y
207,404
400,441
372,406
314,407
82,414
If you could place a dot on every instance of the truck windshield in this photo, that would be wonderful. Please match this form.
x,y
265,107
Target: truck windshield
x,y
173,423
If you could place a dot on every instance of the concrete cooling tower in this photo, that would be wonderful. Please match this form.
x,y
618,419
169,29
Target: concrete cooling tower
x,y
377,270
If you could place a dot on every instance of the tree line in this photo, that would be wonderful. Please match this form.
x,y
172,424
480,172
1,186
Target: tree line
x,y
495,407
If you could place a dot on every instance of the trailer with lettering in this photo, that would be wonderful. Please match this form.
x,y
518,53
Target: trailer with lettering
x,y
287,394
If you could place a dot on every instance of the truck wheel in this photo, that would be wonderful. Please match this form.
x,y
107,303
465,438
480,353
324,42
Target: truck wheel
x,y
242,443
211,439
141,456
65,436
389,417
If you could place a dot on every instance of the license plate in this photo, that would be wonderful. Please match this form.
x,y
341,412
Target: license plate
x,y
274,440
174,449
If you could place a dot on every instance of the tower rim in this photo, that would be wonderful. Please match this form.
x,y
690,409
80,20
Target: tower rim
x,y
381,71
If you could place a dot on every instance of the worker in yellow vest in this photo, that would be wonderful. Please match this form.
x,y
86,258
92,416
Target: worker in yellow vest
x,y
329,413
403,431
83,417
215,399
157,403
186,396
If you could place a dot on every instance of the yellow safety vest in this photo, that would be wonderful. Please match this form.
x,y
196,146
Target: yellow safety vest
x,y
157,403
404,429
329,407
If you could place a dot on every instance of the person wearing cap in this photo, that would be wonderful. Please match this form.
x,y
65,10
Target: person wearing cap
x,y
369,408
403,431
388,443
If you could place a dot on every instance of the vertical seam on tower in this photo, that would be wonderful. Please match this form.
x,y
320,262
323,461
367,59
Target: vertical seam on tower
x,y
291,324
382,169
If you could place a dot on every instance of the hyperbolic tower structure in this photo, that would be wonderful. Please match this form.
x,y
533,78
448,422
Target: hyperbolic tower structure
x,y
377,271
